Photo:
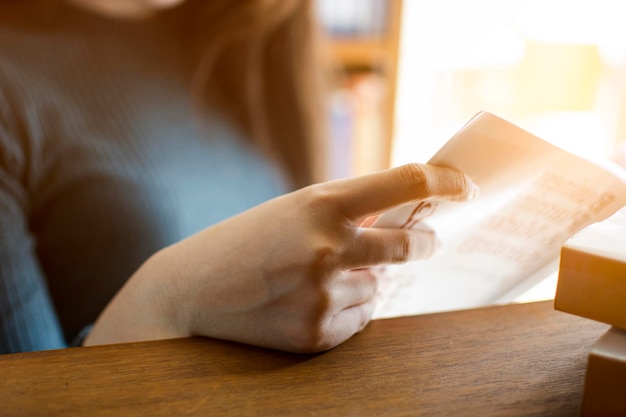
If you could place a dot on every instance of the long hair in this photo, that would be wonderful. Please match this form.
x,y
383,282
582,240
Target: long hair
x,y
261,64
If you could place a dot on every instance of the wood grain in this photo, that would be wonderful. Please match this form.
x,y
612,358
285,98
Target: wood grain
x,y
501,361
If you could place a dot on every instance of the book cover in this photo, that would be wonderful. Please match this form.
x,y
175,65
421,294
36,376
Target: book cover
x,y
592,272
605,380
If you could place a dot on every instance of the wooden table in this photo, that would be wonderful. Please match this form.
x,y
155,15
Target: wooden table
x,y
500,361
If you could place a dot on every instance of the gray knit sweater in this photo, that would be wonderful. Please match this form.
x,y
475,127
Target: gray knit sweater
x,y
102,163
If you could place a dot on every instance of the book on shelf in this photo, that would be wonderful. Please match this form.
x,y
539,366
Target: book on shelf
x,y
605,379
534,197
354,18
592,272
358,126
363,47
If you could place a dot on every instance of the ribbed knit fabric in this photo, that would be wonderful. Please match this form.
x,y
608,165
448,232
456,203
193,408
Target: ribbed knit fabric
x,y
102,163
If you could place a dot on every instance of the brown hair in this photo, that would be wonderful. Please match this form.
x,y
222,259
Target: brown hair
x,y
260,63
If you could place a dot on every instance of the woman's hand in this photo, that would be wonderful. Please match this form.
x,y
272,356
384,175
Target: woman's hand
x,y
290,274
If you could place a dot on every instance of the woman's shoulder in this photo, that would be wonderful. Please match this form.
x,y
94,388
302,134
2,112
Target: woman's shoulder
x,y
22,79
38,52
24,44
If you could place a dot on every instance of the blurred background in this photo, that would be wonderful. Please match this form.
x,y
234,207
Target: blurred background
x,y
412,72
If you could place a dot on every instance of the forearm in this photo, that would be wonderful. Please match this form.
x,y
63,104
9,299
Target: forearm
x,y
141,310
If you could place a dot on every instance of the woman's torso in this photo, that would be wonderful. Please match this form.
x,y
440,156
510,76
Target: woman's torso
x,y
113,162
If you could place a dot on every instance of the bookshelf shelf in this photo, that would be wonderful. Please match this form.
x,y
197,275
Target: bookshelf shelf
x,y
367,54
362,53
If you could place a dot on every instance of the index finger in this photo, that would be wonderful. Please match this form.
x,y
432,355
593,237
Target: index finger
x,y
374,193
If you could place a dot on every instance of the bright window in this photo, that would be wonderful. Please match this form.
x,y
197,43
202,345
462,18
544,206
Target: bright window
x,y
554,67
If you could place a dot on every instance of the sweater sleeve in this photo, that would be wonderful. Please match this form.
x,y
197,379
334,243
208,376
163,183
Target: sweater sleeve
x,y
28,320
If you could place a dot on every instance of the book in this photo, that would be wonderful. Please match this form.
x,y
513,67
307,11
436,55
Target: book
x,y
358,125
605,380
364,19
592,272
534,196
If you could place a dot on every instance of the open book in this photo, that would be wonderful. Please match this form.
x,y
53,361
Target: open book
x,y
533,197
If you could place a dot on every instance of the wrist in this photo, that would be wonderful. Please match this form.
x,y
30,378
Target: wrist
x,y
146,308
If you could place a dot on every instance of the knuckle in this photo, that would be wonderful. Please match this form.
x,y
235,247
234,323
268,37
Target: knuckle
x,y
465,183
413,175
458,182
321,204
318,196
404,247
325,259
322,300
415,245
310,337
310,331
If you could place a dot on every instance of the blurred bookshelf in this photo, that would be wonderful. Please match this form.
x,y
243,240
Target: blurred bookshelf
x,y
364,40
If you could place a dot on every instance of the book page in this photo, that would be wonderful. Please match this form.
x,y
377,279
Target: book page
x,y
534,196
606,239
